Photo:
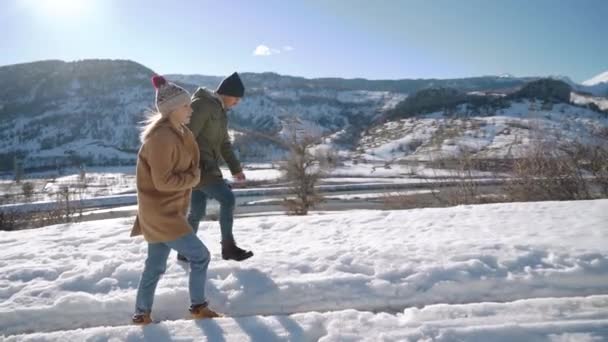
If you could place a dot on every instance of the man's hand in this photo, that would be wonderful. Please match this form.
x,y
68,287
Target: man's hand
x,y
239,177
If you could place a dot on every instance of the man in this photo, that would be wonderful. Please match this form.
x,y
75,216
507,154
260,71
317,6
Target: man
x,y
209,124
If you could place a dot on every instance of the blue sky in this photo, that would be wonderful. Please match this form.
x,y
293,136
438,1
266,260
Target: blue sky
x,y
384,39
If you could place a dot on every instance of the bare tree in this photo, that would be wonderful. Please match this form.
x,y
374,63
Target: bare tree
x,y
28,190
548,173
303,166
303,170
457,183
597,164
18,169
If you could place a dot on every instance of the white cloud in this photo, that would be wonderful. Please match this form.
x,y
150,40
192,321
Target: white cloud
x,y
264,50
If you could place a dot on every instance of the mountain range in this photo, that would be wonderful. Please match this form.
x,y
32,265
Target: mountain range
x,y
55,113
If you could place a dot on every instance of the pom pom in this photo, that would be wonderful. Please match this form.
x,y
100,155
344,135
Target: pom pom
x,y
158,81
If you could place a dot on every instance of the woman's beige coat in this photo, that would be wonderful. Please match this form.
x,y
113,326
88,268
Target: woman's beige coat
x,y
167,169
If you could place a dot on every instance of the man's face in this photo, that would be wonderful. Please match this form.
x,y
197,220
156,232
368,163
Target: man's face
x,y
230,101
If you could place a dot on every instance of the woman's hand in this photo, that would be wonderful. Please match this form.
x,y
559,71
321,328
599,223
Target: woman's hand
x,y
195,171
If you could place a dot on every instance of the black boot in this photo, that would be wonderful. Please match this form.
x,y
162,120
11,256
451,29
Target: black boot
x,y
230,251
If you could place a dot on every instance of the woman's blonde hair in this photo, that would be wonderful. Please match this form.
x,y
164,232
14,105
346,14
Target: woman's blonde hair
x,y
153,119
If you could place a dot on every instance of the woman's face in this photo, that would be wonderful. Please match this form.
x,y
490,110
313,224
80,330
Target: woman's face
x,y
182,114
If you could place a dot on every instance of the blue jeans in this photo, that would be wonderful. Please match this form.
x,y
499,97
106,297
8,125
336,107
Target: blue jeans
x,y
198,256
198,207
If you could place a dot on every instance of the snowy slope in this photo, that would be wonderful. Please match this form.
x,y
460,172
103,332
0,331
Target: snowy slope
x,y
87,112
600,102
329,276
65,114
508,132
597,85
597,79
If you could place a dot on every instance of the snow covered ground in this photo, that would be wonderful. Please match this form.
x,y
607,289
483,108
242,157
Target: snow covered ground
x,y
111,187
500,272
348,197
104,181
397,173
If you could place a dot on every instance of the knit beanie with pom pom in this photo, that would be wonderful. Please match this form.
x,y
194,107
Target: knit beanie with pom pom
x,y
169,96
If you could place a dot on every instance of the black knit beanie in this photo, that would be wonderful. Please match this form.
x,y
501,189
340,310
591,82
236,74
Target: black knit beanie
x,y
231,86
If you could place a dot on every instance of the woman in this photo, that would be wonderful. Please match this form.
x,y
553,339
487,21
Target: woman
x,y
167,169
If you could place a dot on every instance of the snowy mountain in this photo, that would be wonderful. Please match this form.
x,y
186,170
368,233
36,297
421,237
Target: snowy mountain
x,y
485,133
600,78
327,105
55,111
445,123
597,85
86,112
59,113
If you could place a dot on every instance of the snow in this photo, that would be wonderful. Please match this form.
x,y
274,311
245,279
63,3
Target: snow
x,y
597,85
394,173
347,197
500,272
597,79
553,319
508,132
104,182
367,170
81,201
601,102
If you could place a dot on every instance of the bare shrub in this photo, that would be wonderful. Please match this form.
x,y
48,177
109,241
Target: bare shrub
x,y
548,172
303,171
302,168
8,220
459,187
396,201
28,190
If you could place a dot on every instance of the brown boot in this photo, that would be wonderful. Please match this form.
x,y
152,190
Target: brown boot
x,y
141,319
230,251
202,311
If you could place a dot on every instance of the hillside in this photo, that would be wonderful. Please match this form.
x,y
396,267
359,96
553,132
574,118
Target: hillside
x,y
57,114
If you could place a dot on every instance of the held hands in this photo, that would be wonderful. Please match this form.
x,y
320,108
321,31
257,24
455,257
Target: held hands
x,y
194,170
239,177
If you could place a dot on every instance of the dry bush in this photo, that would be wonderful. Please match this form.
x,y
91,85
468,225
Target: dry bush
x,y
8,220
569,172
597,158
592,162
63,210
303,171
461,187
396,201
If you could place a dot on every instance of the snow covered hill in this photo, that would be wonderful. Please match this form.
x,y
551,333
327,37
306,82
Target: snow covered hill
x,y
505,132
500,272
57,113
597,85
597,79
600,102
86,112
